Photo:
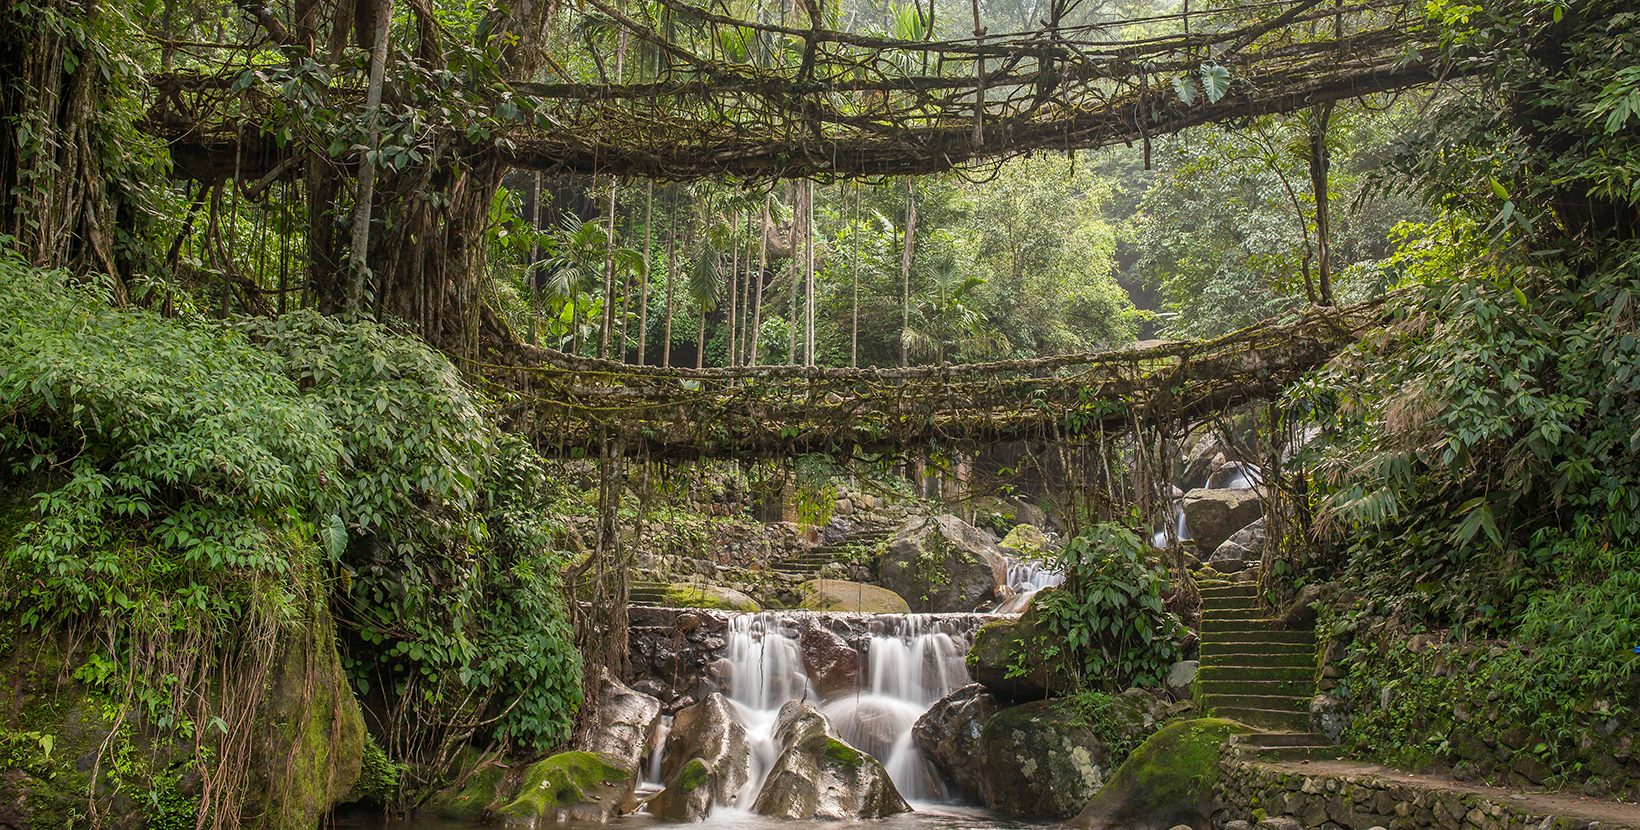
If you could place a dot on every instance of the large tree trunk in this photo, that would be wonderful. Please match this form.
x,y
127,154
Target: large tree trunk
x,y
61,203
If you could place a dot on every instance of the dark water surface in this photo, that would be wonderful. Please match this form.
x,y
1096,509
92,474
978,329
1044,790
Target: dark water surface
x,y
928,816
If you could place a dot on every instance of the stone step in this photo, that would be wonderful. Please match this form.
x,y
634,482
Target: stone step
x,y
1271,703
1291,687
1245,609
1226,672
1211,626
1275,635
1216,590
1323,752
1241,645
1279,719
1266,740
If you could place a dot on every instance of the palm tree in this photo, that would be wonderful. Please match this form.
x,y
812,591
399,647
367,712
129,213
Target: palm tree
x,y
943,324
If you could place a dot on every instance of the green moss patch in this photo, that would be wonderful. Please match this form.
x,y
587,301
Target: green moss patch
x,y
687,595
563,780
1167,781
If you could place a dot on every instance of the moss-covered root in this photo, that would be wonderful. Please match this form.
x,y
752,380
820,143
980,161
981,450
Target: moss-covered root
x,y
1167,781
569,786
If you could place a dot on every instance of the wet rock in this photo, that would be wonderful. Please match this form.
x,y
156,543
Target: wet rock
x,y
1167,781
1041,759
1215,515
569,786
819,776
625,721
710,734
942,563
1008,657
1245,545
690,595
689,797
833,665
838,595
948,735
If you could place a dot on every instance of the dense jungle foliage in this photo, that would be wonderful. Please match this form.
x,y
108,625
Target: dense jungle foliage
x,y
1479,459
210,429
187,484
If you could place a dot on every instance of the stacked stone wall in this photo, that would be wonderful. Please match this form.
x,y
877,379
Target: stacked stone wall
x,y
1279,797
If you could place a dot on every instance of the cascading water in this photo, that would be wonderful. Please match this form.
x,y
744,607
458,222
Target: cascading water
x,y
911,661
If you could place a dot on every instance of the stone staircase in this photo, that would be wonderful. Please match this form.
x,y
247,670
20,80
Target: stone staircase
x,y
804,566
1257,673
799,568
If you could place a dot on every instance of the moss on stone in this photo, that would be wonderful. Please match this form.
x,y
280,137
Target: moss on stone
x,y
1167,781
481,791
840,595
562,781
689,595
843,754
692,775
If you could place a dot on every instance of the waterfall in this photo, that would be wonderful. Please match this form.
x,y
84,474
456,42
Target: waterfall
x,y
1025,579
910,660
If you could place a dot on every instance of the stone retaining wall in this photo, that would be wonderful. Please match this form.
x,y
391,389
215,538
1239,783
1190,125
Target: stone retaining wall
x,y
1276,797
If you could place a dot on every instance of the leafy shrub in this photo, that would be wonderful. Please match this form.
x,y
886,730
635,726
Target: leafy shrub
x,y
181,475
1109,613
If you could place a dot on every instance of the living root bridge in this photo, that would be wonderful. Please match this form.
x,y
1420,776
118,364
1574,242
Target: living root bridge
x,y
572,405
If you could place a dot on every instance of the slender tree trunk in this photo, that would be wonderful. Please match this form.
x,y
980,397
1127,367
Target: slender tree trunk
x,y
905,266
533,291
734,286
762,262
366,192
796,262
671,273
854,330
608,324
808,275
1320,161
643,295
700,341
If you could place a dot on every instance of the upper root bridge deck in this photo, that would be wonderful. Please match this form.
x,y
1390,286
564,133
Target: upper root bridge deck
x,y
571,404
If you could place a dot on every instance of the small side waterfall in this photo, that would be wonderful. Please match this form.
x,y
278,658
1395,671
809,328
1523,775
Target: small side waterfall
x,y
910,661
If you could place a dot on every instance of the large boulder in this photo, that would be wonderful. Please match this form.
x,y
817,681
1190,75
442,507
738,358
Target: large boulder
x,y
1009,657
691,595
1214,515
942,563
817,776
707,733
569,786
856,597
1166,782
833,665
1245,546
625,721
948,735
1041,759
1027,540
689,796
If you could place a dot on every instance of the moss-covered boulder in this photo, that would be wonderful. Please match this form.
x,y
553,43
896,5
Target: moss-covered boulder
x,y
1166,782
478,792
297,754
818,776
948,735
308,739
569,786
1009,657
690,796
1041,759
1026,539
691,595
942,563
857,597
710,735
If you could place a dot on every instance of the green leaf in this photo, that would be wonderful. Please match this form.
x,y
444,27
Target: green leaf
x,y
1215,81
